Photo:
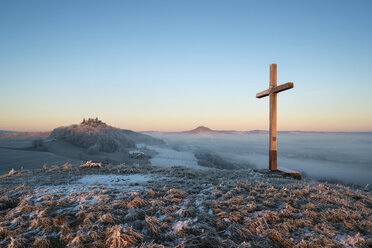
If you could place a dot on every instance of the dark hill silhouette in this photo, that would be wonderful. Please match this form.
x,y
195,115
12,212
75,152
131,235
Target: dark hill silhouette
x,y
97,136
23,135
6,131
200,130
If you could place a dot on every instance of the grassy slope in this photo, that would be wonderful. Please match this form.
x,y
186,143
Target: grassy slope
x,y
184,207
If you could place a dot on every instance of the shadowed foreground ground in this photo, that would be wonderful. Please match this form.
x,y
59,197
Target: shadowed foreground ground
x,y
123,206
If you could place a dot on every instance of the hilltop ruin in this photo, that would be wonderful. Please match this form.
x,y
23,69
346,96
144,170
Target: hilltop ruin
x,y
93,122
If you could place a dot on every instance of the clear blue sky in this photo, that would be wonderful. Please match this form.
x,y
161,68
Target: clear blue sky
x,y
174,65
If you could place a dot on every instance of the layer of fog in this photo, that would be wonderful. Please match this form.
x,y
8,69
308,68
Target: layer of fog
x,y
345,157
166,157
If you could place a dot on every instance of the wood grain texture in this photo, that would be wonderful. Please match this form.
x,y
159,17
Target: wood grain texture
x,y
273,118
282,87
272,93
263,93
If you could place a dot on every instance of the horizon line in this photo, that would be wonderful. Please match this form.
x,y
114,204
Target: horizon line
x,y
215,130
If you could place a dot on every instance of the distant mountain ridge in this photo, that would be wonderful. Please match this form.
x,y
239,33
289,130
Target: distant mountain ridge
x,y
6,131
203,130
23,135
200,130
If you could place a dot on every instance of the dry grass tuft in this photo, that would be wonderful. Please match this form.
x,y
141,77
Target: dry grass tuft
x,y
46,224
154,226
78,240
11,172
53,168
90,164
6,203
117,236
42,242
278,238
151,245
136,202
107,218
93,235
5,232
65,233
250,207
176,193
271,216
67,166
16,243
151,193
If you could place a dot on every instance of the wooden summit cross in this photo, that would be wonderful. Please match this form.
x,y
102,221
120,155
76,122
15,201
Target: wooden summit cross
x,y
272,91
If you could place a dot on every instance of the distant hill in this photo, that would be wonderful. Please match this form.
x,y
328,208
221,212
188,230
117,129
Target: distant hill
x,y
97,136
5,131
200,131
256,132
22,135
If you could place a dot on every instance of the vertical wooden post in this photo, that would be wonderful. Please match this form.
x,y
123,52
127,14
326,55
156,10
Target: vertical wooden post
x,y
273,131
272,92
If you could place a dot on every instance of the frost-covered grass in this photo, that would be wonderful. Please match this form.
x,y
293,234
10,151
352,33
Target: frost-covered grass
x,y
123,206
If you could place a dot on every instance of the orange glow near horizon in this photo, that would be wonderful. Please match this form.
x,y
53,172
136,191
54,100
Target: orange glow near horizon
x,y
285,123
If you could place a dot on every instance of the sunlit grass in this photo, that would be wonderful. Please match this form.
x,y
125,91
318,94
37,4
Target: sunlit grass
x,y
213,208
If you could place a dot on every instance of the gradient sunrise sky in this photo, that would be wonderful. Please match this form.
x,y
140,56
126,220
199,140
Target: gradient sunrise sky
x,y
174,65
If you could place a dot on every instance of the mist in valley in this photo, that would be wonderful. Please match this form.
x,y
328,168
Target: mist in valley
x,y
336,157
344,157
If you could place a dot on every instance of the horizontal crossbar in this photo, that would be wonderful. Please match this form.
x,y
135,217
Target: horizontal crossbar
x,y
275,89
282,87
263,93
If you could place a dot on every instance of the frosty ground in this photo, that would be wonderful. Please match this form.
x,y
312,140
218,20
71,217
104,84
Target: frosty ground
x,y
147,206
